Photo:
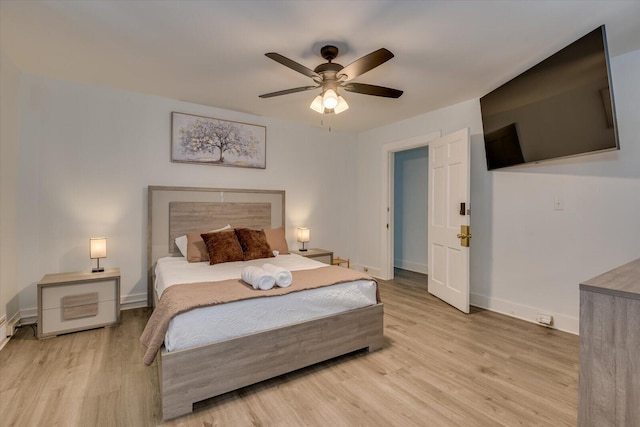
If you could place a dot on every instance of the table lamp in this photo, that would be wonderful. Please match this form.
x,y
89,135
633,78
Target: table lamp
x,y
97,250
303,237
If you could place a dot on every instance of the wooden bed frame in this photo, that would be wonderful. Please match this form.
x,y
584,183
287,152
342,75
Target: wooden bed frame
x,y
196,374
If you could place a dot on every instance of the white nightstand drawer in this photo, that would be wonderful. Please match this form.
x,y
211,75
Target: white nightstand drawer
x,y
53,320
52,296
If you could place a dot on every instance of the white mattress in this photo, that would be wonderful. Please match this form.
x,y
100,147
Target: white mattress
x,y
210,324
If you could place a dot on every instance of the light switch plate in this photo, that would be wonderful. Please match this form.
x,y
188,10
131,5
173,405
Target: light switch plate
x,y
558,203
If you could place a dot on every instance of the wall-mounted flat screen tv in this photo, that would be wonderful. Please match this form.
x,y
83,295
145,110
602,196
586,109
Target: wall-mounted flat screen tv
x,y
562,107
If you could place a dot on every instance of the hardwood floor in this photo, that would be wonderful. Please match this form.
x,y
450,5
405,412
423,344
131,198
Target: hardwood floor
x,y
411,278
438,367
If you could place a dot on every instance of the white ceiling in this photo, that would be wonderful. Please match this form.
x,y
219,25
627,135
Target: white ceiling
x,y
212,52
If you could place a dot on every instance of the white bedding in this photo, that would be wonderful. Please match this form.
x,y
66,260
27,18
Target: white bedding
x,y
209,324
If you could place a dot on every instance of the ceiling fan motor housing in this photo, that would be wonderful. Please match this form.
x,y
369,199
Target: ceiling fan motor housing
x,y
329,52
329,70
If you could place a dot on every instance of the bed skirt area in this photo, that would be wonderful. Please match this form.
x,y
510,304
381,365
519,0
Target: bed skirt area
x,y
192,375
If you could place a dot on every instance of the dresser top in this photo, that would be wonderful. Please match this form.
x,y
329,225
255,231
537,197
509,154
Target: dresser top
x,y
79,276
622,281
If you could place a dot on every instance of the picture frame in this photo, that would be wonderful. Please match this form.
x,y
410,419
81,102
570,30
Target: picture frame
x,y
215,142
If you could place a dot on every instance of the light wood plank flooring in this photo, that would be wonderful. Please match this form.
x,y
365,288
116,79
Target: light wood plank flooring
x,y
438,367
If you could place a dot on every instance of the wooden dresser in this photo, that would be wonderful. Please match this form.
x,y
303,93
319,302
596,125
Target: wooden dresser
x,y
609,381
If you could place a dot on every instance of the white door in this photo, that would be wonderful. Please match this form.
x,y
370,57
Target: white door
x,y
448,265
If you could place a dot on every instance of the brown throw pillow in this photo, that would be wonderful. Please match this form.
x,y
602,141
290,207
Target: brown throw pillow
x,y
196,249
277,240
223,246
254,244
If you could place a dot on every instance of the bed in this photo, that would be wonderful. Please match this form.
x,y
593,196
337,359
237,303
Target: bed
x,y
189,374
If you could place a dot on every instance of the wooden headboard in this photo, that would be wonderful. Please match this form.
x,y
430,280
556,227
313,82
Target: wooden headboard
x,y
175,211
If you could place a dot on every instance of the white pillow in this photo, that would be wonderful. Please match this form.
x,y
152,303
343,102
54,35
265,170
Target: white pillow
x,y
181,242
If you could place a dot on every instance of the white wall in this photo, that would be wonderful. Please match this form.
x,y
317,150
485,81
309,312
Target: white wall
x,y
9,123
526,257
410,209
370,212
88,153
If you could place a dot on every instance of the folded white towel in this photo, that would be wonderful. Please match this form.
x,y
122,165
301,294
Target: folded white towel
x,y
258,278
283,277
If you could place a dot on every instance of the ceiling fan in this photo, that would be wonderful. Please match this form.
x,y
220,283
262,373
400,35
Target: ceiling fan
x,y
330,76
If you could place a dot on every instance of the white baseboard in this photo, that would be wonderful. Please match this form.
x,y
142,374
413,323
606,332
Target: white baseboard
x,y
561,322
7,328
28,316
371,271
410,266
132,301
4,337
12,323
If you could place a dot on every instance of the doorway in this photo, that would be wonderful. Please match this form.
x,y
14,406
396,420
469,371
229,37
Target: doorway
x,y
410,209
448,196
388,169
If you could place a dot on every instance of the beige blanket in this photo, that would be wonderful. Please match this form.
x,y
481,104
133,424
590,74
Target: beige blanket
x,y
181,298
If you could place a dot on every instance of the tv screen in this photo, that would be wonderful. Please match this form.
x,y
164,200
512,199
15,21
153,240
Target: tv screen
x,y
562,107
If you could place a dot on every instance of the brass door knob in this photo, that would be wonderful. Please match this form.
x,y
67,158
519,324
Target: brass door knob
x,y
464,235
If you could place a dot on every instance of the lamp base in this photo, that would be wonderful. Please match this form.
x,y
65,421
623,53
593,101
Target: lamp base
x,y
97,269
303,250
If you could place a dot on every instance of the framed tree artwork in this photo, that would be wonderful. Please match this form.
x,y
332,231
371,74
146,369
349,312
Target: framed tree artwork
x,y
209,141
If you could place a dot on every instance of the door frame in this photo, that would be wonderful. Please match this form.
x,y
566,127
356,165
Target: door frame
x,y
387,234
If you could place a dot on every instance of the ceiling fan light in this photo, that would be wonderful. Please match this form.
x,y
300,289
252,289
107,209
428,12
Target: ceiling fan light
x,y
330,99
316,105
342,105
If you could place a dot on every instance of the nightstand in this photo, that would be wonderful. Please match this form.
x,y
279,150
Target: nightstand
x,y
317,254
71,302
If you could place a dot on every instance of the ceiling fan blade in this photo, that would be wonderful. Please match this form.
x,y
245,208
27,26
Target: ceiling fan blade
x,y
287,91
366,63
292,64
366,89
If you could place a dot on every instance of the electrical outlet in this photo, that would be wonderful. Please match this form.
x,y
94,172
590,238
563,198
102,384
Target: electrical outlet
x,y
544,319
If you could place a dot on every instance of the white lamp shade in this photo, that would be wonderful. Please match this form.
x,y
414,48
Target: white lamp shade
x,y
330,99
97,247
303,234
316,105
342,105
